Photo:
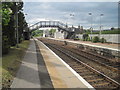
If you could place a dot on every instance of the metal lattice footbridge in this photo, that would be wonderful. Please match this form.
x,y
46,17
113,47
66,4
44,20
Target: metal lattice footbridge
x,y
55,24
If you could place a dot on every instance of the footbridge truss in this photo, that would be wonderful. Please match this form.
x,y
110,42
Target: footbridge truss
x,y
55,24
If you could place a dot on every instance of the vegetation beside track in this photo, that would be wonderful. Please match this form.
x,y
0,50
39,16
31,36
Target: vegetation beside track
x,y
37,33
11,63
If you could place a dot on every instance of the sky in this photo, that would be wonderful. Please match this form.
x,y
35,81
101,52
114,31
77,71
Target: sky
x,y
74,13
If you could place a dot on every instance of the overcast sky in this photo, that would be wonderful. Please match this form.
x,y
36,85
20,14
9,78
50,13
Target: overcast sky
x,y
37,11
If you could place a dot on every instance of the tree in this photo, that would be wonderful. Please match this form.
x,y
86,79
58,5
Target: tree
x,y
9,10
52,31
6,12
85,37
37,33
96,39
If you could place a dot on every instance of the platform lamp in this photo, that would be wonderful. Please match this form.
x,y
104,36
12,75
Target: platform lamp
x,y
66,25
90,14
71,15
28,25
26,15
119,15
100,24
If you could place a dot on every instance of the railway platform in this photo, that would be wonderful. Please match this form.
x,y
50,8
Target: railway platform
x,y
111,46
110,50
42,68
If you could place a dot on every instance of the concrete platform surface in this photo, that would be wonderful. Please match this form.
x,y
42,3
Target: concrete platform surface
x,y
27,76
42,68
62,76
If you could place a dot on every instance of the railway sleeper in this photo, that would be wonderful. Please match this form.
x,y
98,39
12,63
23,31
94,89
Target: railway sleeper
x,y
81,70
111,64
94,80
97,56
89,76
86,73
104,85
77,67
98,82
117,66
71,62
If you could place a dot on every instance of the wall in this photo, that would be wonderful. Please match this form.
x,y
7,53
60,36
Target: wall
x,y
114,38
60,35
45,33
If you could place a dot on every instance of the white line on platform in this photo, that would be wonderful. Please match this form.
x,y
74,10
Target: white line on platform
x,y
73,71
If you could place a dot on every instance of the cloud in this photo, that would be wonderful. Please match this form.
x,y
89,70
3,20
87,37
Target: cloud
x,y
34,20
70,0
61,11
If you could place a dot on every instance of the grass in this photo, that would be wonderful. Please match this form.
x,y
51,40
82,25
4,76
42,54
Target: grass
x,y
11,63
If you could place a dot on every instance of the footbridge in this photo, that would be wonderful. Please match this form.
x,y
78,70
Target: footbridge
x,y
55,24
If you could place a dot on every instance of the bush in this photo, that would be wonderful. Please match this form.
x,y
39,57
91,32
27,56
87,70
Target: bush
x,y
102,40
76,38
85,37
5,45
95,39
88,39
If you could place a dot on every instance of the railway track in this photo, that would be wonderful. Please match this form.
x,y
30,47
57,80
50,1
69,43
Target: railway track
x,y
94,77
111,64
107,70
102,60
98,59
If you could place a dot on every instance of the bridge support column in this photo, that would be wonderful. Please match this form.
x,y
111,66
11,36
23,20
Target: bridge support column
x,y
26,35
45,23
49,23
40,23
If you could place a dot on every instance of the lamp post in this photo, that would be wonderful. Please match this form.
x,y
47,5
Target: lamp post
x,y
71,15
26,15
100,23
91,24
17,25
118,15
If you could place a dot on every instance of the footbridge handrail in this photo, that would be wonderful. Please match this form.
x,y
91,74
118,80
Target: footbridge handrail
x,y
42,24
